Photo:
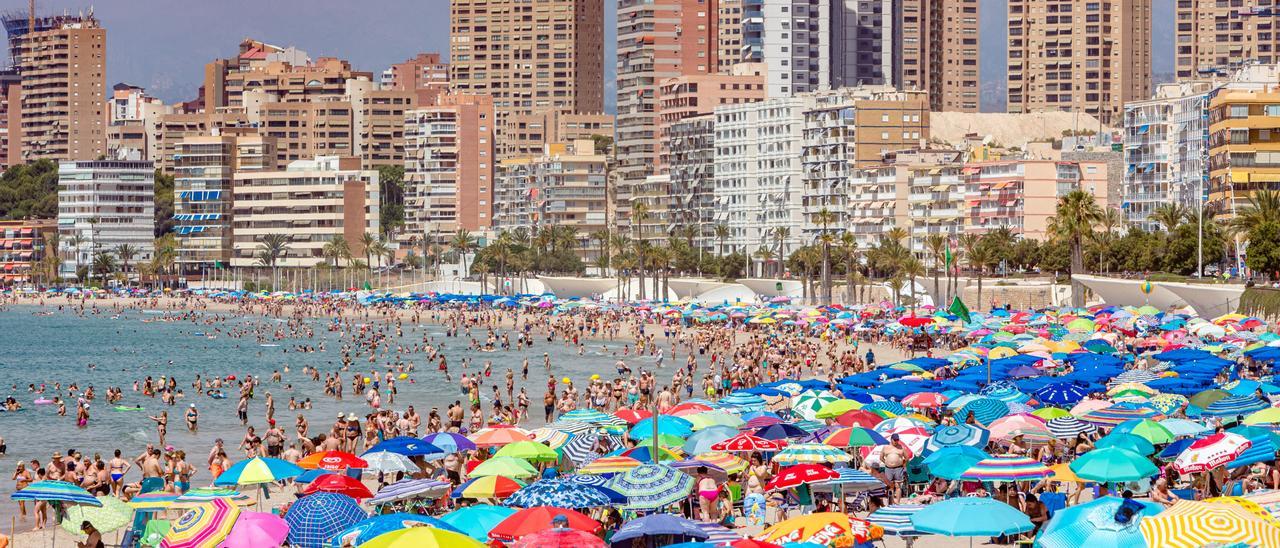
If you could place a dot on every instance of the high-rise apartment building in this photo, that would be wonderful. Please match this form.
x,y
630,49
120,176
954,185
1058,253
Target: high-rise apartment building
x,y
1215,37
377,118
1244,149
564,186
133,124
529,134
449,167
10,117
23,247
938,43
1087,57
204,173
181,125
729,33
284,75
62,66
1165,151
529,56
697,94
657,40
425,74
863,42
793,38
102,205
312,202
691,154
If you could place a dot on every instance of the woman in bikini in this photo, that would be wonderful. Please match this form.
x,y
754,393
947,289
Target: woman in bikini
x,y
118,467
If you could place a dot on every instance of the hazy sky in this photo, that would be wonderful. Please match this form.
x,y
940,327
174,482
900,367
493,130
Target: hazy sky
x,y
163,45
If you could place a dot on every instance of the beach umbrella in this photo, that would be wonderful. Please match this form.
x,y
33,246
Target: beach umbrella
x,y
1232,406
409,488
896,519
496,436
850,480
687,407
204,526
338,483
421,537
407,446
558,493
559,538
541,518
1147,429
651,486
1094,524
971,517
368,529
530,451
886,406
800,453
1086,406
476,521
632,416
258,470
702,440
1050,413
388,462
801,474
712,419
1126,441
836,408
1184,427
1211,452
780,431
1270,415
658,525
314,519
724,461
609,465
449,442
747,443
1119,413
1069,427
953,461
1007,468
822,528
984,410
1167,403
333,461
859,417
1113,464
667,424
201,495
487,487
957,434
262,529
111,515
1193,524
807,404
586,415
925,400
56,491
150,502
1205,398
510,467
854,436
1031,427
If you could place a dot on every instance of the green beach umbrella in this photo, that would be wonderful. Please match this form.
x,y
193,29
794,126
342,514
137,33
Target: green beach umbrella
x,y
837,408
510,467
809,403
707,419
1131,442
1147,429
1270,415
113,514
531,451
1050,413
1207,397
1111,464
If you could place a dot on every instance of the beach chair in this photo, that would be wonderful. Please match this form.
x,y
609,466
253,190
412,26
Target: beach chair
x,y
1184,494
130,539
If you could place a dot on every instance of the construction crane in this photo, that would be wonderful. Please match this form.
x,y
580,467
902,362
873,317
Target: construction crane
x,y
31,17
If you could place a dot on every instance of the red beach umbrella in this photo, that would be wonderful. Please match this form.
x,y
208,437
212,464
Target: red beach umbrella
x,y
338,483
333,461
538,519
800,474
859,417
746,443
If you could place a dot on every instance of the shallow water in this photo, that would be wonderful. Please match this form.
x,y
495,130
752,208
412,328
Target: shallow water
x,y
40,349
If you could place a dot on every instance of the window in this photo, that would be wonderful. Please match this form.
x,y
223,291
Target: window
x,y
1239,111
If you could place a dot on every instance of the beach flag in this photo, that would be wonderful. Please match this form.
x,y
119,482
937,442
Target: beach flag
x,y
959,309
947,258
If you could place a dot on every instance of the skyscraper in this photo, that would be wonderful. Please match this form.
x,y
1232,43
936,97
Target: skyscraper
x,y
1089,60
1215,37
863,42
529,56
793,37
425,74
938,45
62,66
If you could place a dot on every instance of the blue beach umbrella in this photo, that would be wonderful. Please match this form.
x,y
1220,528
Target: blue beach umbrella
x,y
702,440
364,530
658,525
896,519
56,491
985,410
953,461
1061,393
449,442
971,517
1235,405
667,424
476,521
1094,524
958,434
652,486
407,446
1137,444
258,470
316,518
560,494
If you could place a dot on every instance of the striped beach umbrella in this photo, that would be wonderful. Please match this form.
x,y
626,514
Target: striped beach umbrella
x,y
314,519
718,535
388,462
410,489
652,486
1094,524
887,406
572,427
855,437
1192,524
415,534
258,470
449,442
1065,428
1031,427
1005,393
1211,452
850,480
151,502
925,400
580,449
1262,446
743,401
1007,468
802,453
56,491
586,415
609,465
558,493
201,495
725,461
807,404
1061,393
205,525
1120,412
984,410
1184,427
957,434
1140,376
551,437
896,519
499,435
487,487
510,467
1232,406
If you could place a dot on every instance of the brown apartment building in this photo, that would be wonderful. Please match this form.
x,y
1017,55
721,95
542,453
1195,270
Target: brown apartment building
x,y
425,74
698,94
285,74
10,117
529,134
449,166
940,52
1216,36
529,56
62,67
1090,56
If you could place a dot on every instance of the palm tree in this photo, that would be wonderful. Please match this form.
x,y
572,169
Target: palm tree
x,y
1076,215
165,257
619,244
977,255
1169,216
1111,220
50,261
639,214
126,253
463,242
366,246
936,245
722,234
911,269
336,249
1263,207
643,251
780,235
74,243
766,256
849,243
825,217
104,263
602,236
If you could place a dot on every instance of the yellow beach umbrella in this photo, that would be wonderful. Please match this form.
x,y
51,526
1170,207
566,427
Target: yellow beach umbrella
x,y
1192,524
